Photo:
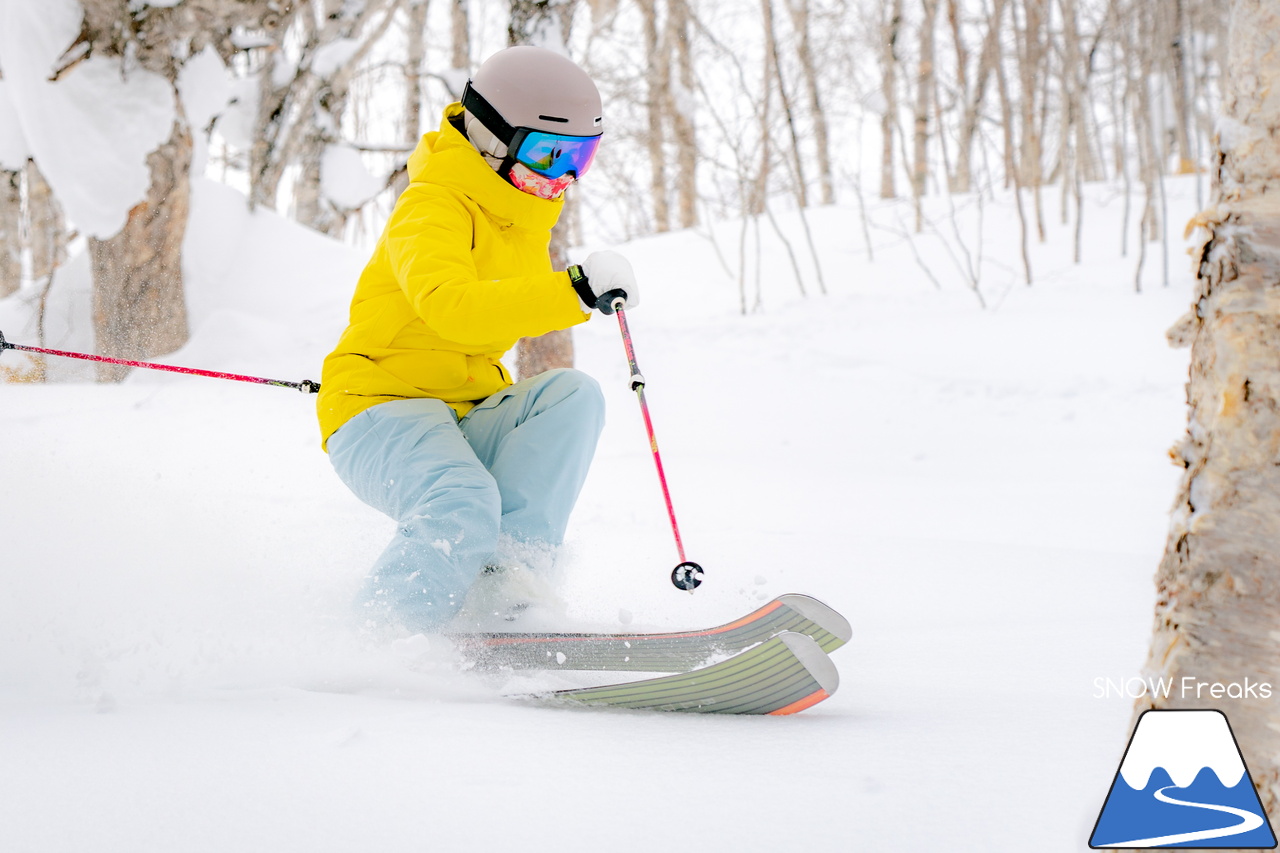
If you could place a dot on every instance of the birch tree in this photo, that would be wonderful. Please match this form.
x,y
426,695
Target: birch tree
x,y
10,231
890,29
924,95
658,83
1217,614
537,22
800,15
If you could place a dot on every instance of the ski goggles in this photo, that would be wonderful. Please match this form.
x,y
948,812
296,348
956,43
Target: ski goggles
x,y
553,155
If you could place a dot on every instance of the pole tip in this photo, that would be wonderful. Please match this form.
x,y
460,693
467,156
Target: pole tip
x,y
687,576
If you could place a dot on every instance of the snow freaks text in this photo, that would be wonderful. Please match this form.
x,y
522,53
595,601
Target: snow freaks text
x,y
1187,687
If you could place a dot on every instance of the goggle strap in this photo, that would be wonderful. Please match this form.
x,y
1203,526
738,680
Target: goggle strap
x,y
488,116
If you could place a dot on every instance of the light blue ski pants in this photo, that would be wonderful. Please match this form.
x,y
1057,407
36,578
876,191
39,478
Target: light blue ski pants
x,y
513,465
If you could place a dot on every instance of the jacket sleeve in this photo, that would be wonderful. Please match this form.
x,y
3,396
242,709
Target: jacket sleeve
x,y
429,244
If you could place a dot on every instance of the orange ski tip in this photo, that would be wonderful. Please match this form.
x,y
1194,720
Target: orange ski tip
x,y
796,707
745,620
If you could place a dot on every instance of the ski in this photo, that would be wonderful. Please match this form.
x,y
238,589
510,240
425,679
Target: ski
x,y
785,674
662,652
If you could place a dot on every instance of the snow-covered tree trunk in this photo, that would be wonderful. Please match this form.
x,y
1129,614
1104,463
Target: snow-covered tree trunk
x,y
1217,613
10,231
139,309
46,224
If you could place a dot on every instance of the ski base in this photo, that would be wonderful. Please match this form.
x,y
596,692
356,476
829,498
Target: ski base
x,y
785,674
662,652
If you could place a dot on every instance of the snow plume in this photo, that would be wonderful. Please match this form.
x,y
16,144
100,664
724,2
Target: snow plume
x,y
91,130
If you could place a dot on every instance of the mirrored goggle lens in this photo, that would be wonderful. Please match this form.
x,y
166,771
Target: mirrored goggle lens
x,y
554,155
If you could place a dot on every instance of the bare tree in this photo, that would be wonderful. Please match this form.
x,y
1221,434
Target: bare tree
x,y
345,37
416,56
684,133
799,10
1217,608
10,231
460,34
973,95
1032,55
890,29
539,21
46,225
1174,17
658,82
924,96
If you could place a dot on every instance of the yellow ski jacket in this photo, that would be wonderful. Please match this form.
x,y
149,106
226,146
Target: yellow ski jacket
x,y
460,274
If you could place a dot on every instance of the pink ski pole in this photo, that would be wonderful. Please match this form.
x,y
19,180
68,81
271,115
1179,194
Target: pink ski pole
x,y
306,386
688,574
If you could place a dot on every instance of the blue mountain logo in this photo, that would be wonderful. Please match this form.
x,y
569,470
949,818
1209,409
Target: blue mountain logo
x,y
1183,783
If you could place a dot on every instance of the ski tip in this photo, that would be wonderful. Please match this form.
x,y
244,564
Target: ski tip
x,y
817,612
815,660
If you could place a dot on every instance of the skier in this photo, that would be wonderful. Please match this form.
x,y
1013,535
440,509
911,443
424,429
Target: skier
x,y
419,416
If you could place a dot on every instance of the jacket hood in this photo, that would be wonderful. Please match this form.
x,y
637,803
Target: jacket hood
x,y
447,159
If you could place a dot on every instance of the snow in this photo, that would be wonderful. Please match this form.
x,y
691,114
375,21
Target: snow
x,y
92,129
13,145
205,87
332,56
344,178
982,493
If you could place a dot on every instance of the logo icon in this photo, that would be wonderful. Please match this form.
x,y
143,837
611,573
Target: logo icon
x,y
1183,783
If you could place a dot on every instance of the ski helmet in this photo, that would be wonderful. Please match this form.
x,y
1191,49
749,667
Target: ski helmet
x,y
535,115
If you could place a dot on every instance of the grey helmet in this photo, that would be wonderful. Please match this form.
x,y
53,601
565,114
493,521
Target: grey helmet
x,y
527,88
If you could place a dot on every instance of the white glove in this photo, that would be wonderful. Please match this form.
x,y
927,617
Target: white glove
x,y
603,278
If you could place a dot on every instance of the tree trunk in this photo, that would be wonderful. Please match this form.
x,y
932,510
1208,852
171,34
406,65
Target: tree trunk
x,y
276,95
533,21
804,52
683,131
659,96
1011,173
1176,16
924,95
891,27
774,67
1150,160
138,305
1031,59
1217,612
48,227
460,35
10,231
415,57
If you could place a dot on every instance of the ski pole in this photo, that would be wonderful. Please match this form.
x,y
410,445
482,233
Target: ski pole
x,y
688,574
306,386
